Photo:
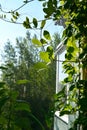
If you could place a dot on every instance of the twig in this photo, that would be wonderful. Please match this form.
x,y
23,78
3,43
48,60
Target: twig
x,y
16,8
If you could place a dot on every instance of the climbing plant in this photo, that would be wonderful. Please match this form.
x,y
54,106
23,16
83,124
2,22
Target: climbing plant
x,y
73,16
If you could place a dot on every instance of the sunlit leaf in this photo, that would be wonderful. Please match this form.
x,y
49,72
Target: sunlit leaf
x,y
22,81
44,56
36,42
40,66
43,23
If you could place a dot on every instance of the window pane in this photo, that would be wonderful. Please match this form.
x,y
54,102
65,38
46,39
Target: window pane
x,y
61,73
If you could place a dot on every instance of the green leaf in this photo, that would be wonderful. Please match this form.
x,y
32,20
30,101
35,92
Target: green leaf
x,y
70,49
68,79
44,4
43,24
4,16
23,122
3,120
3,68
50,52
25,1
49,10
60,93
22,81
22,106
40,66
47,35
3,100
43,41
65,112
68,56
2,84
36,120
35,22
26,23
17,14
45,56
36,42
14,95
15,17
71,87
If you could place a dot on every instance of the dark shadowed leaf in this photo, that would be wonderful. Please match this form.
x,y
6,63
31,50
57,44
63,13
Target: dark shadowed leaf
x,y
35,22
26,23
70,49
47,35
22,106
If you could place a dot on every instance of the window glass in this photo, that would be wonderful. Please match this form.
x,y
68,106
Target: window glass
x,y
61,73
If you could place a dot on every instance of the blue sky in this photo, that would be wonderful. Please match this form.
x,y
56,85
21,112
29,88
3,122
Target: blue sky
x,y
12,31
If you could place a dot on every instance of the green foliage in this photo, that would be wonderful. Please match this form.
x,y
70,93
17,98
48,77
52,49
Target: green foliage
x,y
45,56
75,39
15,16
26,23
35,22
24,81
46,34
37,42
40,66
27,77
43,24
9,107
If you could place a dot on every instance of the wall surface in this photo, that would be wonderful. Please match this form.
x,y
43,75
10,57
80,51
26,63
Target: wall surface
x,y
59,124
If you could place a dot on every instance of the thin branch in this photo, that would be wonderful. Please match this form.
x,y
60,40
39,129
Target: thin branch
x,y
22,5
17,8
9,21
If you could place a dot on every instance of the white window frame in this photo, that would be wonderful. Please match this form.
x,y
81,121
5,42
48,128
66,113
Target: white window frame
x,y
59,50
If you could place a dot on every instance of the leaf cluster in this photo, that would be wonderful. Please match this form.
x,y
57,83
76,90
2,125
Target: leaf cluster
x,y
75,39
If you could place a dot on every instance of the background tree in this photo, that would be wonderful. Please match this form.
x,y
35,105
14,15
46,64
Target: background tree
x,y
35,86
